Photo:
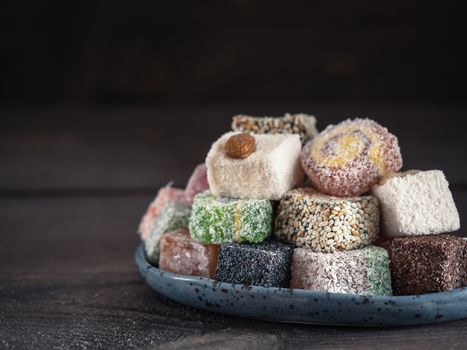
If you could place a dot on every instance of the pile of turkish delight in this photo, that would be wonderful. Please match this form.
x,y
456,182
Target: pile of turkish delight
x,y
277,204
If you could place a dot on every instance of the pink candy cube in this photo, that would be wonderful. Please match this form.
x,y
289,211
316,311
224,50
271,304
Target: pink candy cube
x,y
198,182
179,253
165,195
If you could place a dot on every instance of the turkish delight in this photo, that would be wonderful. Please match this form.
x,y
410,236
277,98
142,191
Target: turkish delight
x,y
323,223
302,124
179,253
165,195
197,183
225,220
171,217
428,264
362,271
416,203
266,264
266,169
348,158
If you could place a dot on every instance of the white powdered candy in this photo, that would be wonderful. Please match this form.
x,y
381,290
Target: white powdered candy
x,y
362,271
416,203
271,170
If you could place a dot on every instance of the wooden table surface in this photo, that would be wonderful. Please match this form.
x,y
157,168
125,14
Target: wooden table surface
x,y
74,184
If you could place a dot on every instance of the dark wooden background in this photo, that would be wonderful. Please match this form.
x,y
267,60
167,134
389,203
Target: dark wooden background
x,y
103,102
74,184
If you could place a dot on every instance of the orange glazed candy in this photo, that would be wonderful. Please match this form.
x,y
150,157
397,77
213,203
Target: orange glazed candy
x,y
179,253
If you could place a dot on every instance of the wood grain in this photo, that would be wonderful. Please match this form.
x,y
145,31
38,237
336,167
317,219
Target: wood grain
x,y
67,276
73,186
146,148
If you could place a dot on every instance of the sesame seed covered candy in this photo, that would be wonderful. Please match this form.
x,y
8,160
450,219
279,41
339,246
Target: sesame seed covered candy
x,y
165,195
179,253
302,124
428,264
197,183
266,264
224,220
363,271
348,158
171,217
322,223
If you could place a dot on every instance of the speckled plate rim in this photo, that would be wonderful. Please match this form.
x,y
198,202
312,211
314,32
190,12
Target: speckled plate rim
x,y
303,306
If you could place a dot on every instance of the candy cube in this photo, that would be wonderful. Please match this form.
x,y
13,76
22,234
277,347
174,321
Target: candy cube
x,y
165,195
363,271
267,173
302,124
266,264
416,203
348,158
179,253
171,217
225,220
322,223
428,264
197,183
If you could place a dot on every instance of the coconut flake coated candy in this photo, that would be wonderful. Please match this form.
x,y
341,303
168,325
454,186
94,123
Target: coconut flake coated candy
x,y
348,158
165,195
428,264
267,173
220,220
362,271
172,216
416,203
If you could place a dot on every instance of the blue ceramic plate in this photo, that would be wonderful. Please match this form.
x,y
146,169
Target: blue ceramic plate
x,y
303,306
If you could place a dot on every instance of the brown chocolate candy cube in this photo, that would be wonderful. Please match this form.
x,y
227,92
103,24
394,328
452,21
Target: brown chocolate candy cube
x,y
428,264
179,253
